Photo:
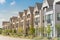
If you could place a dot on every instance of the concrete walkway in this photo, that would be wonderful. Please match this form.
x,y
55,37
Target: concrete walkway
x,y
10,38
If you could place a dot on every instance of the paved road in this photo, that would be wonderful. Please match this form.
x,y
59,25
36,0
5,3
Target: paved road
x,y
10,38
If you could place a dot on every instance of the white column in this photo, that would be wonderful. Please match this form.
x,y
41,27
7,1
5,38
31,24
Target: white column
x,y
54,21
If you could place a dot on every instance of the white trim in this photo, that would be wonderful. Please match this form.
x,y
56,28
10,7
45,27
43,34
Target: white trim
x,y
49,12
45,3
28,18
22,20
55,1
37,16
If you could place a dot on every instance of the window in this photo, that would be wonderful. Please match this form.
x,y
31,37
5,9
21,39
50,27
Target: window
x,y
36,13
48,18
37,20
28,23
28,16
58,16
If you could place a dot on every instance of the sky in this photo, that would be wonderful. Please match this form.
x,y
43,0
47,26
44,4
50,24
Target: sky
x,y
9,8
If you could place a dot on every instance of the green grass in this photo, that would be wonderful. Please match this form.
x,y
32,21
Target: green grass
x,y
45,38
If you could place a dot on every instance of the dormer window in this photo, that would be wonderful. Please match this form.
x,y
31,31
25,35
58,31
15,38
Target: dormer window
x,y
45,7
37,13
28,16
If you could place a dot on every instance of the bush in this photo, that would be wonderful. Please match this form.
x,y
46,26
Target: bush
x,y
5,32
20,31
48,31
31,30
0,30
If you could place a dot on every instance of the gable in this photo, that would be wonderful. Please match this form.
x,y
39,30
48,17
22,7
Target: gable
x,y
45,4
50,2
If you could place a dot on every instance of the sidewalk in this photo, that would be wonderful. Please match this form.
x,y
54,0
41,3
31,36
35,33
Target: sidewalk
x,y
10,38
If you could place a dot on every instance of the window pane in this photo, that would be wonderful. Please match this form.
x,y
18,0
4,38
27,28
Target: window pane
x,y
58,16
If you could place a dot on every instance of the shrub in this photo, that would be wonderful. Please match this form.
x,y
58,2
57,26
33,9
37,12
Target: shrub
x,y
20,31
32,31
48,30
0,30
5,32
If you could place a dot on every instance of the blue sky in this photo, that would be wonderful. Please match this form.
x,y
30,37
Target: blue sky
x,y
10,8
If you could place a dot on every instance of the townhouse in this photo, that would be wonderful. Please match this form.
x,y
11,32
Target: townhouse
x,y
25,22
14,22
30,17
42,15
51,15
48,14
20,19
56,11
38,18
6,25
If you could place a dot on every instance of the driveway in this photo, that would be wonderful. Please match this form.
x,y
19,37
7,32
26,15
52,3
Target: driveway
x,y
10,38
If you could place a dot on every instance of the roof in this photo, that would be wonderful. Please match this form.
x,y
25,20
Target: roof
x,y
50,2
39,5
25,11
20,14
50,8
5,22
13,18
31,9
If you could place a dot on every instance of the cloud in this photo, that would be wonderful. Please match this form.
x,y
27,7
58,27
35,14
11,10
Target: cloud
x,y
13,3
2,1
2,19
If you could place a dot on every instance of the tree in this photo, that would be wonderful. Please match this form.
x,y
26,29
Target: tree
x,y
48,30
0,30
20,30
32,30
